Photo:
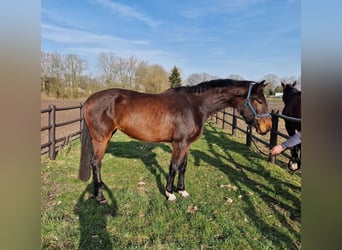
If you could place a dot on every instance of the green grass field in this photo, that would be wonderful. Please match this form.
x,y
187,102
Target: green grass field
x,y
237,199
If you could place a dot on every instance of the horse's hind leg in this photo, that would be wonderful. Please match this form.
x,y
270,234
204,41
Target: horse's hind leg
x,y
99,150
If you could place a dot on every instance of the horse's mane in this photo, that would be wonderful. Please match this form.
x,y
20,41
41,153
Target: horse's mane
x,y
291,90
204,86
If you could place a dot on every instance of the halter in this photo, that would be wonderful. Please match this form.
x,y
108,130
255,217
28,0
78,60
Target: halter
x,y
250,106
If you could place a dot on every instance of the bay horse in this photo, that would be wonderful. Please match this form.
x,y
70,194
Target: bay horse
x,y
175,116
292,108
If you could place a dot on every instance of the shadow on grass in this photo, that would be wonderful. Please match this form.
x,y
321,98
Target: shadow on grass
x,y
93,219
143,151
238,176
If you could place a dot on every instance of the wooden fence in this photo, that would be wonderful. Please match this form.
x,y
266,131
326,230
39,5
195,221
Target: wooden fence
x,y
225,118
53,144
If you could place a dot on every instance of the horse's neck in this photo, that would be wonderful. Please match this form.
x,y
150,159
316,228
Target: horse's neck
x,y
215,100
290,94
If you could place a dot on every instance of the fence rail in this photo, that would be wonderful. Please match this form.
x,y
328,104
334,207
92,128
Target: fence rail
x,y
274,134
53,143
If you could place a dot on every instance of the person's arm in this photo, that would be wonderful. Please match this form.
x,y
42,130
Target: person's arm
x,y
292,141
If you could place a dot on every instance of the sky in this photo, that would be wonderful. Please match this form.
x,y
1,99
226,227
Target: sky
x,y
250,38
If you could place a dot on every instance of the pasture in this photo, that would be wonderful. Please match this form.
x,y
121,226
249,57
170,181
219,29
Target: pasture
x,y
237,199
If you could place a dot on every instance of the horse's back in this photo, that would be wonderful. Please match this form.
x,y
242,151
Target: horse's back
x,y
143,116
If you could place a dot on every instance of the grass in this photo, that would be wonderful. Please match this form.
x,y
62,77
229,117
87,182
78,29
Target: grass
x,y
237,199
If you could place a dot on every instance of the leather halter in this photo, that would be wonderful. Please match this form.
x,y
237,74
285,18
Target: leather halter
x,y
250,106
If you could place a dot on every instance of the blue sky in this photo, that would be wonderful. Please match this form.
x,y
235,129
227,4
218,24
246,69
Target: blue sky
x,y
251,38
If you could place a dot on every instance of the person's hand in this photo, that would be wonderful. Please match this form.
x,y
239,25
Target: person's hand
x,y
277,149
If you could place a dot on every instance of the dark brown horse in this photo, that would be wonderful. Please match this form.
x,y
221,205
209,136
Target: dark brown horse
x,y
292,108
176,115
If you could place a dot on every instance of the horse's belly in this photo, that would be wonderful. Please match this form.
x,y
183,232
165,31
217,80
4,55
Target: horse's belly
x,y
148,132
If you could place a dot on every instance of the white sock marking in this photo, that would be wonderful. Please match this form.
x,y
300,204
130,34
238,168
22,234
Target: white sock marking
x,y
170,196
184,194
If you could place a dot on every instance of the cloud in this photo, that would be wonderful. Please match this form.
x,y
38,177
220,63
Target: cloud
x,y
69,35
127,11
73,40
205,8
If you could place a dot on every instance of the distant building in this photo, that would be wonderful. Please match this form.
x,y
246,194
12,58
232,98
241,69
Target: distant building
x,y
278,94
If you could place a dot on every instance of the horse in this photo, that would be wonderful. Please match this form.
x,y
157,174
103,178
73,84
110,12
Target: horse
x,y
292,108
175,116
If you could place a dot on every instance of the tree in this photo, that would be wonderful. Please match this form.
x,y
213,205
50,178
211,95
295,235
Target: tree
x,y
90,84
117,71
235,77
175,78
52,69
141,75
131,68
157,79
272,81
151,79
196,78
278,89
107,62
74,66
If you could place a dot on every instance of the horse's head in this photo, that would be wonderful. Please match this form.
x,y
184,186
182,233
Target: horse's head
x,y
288,90
255,109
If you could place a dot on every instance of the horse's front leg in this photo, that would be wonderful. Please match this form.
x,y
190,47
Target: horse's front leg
x,y
181,176
178,162
295,162
170,180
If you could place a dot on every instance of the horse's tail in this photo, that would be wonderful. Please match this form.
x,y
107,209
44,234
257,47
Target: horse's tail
x,y
86,153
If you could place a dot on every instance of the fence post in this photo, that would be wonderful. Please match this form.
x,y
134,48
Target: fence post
x,y
273,134
249,136
234,122
52,132
224,119
81,117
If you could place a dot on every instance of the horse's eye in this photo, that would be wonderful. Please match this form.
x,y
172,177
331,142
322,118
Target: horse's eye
x,y
259,100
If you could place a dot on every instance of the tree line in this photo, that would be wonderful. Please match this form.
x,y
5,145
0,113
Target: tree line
x,y
67,76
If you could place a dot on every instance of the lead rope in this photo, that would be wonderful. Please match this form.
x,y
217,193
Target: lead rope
x,y
254,143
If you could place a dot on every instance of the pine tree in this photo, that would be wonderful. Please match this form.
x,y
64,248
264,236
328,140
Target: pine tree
x,y
175,78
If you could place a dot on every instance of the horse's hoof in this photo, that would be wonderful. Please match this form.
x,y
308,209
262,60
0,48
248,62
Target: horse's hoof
x,y
184,194
101,200
293,166
170,196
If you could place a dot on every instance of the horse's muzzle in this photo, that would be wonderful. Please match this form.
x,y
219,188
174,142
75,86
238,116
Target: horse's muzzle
x,y
263,125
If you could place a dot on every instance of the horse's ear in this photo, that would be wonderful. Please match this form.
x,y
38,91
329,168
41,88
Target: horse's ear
x,y
261,85
294,83
283,84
